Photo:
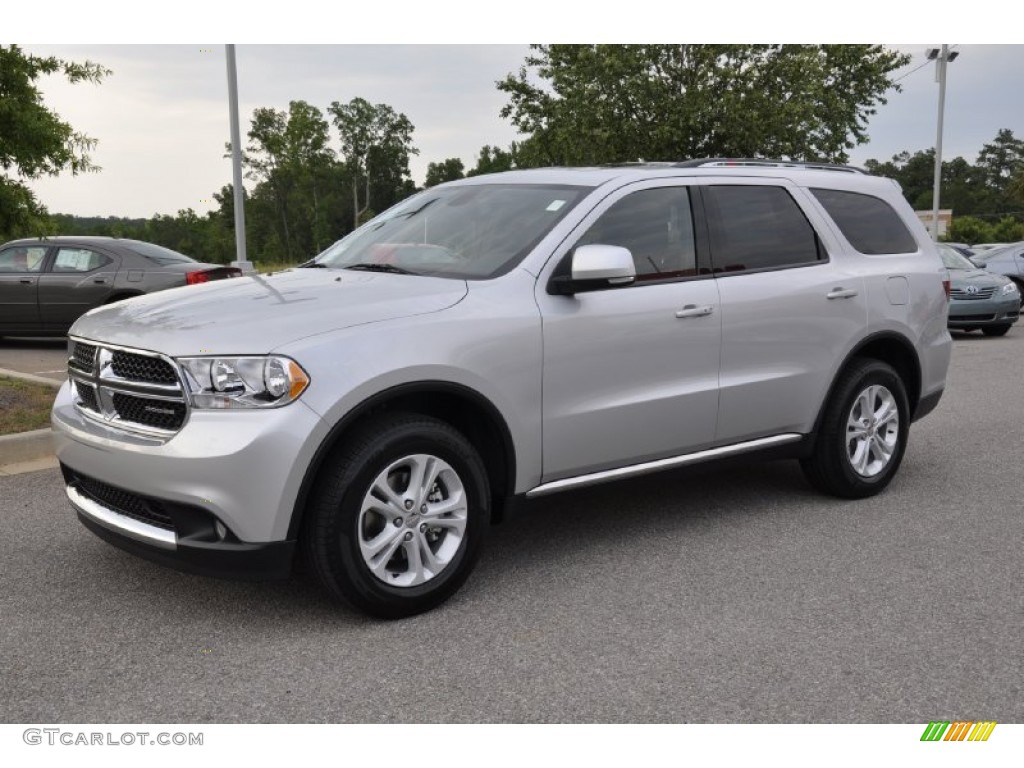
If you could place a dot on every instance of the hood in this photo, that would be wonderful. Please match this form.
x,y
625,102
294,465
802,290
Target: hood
x,y
961,278
255,315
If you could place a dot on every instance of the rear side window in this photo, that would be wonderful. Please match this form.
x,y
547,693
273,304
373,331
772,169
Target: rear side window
x,y
758,227
869,223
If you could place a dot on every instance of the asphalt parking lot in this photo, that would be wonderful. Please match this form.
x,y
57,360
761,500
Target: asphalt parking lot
x,y
730,595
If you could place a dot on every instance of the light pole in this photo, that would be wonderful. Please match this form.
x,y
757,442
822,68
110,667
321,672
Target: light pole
x,y
941,58
236,164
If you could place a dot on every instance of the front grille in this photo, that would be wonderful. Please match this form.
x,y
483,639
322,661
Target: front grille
x,y
162,414
127,390
151,370
129,504
87,396
963,295
84,356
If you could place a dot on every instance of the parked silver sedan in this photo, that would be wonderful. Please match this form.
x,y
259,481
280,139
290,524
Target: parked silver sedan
x,y
979,300
47,284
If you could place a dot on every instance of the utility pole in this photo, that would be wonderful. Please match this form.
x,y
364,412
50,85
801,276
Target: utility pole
x,y
941,58
236,162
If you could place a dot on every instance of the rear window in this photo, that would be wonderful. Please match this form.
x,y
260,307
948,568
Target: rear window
x,y
156,253
869,223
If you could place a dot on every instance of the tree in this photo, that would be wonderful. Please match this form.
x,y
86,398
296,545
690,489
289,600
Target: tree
x,y
374,140
494,160
447,170
34,141
616,103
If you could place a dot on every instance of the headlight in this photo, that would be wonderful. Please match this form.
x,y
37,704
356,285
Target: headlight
x,y
1009,288
243,382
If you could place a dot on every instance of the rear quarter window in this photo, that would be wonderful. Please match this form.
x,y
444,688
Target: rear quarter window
x,y
868,222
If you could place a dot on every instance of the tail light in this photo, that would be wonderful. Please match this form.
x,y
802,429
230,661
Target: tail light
x,y
206,275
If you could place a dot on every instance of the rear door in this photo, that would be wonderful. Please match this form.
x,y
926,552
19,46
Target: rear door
x,y
76,280
790,305
20,267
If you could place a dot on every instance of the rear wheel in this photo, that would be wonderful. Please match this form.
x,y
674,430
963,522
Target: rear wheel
x,y
398,516
996,330
863,432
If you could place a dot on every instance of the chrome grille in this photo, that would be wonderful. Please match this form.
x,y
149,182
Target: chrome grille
x,y
83,356
142,368
87,396
161,414
965,295
128,389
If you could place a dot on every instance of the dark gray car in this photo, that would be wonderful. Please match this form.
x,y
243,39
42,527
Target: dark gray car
x,y
979,300
47,284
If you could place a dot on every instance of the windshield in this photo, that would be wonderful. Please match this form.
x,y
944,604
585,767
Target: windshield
x,y
469,232
954,260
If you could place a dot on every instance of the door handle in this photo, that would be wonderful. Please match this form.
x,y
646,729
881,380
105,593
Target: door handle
x,y
692,310
100,281
25,281
841,293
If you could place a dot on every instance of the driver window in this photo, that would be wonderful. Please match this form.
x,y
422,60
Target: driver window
x,y
22,259
656,225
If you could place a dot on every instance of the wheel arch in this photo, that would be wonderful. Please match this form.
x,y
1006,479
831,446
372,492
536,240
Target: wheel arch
x,y
464,408
892,348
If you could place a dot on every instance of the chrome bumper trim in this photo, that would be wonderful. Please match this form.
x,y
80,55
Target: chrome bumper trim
x,y
115,521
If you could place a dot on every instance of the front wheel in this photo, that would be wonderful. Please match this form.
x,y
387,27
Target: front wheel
x,y
398,516
863,432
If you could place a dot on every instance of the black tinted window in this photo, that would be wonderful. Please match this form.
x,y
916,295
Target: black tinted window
x,y
656,225
757,228
869,223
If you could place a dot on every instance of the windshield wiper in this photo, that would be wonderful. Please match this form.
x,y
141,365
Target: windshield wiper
x,y
312,265
369,267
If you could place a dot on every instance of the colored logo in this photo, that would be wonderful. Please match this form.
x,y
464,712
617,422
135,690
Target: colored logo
x,y
960,730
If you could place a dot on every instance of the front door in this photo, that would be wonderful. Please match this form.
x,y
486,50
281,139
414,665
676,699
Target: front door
x,y
19,285
631,372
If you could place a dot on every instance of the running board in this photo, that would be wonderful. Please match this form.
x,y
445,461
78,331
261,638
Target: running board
x,y
656,466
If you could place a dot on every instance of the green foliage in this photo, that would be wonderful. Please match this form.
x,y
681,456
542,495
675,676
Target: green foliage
x,y
586,104
970,230
376,143
34,141
494,160
447,170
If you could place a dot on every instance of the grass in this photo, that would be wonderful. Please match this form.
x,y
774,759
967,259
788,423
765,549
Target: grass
x,y
24,406
264,268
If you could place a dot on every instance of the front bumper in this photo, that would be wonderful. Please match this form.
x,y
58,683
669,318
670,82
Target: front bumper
x,y
981,313
164,499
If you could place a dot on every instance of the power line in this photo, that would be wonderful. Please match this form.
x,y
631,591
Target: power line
x,y
919,66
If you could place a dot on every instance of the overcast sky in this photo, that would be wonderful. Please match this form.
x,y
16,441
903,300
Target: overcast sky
x,y
161,118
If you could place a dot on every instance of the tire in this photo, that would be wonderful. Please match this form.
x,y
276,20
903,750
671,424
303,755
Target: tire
x,y
401,557
855,457
996,330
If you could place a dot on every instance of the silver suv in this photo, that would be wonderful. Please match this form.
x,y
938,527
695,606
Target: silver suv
x,y
502,337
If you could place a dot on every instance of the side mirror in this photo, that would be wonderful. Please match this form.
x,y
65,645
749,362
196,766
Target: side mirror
x,y
595,267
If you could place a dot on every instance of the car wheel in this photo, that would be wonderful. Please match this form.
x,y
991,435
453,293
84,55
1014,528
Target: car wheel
x,y
996,330
863,432
397,516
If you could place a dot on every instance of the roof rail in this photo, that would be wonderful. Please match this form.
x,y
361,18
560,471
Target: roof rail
x,y
732,162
